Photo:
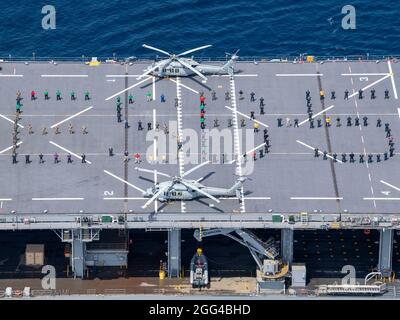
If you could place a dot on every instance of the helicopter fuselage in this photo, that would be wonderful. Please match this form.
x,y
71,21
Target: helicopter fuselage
x,y
176,69
181,192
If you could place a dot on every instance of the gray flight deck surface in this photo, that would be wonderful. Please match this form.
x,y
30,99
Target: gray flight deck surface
x,y
289,179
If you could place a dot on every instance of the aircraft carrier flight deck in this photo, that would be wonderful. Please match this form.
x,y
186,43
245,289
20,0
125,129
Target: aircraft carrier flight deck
x,y
285,178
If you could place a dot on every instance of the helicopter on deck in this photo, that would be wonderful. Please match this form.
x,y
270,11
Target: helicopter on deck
x,y
179,188
176,66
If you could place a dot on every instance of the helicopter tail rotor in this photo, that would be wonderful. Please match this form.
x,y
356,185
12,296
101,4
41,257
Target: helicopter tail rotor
x,y
229,66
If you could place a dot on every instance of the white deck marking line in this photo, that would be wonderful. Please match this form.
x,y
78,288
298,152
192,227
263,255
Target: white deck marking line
x,y
181,84
5,199
319,151
129,88
392,78
246,116
181,160
127,198
390,185
235,75
11,75
398,111
70,152
9,148
250,151
155,155
154,88
126,182
369,86
122,75
64,76
9,120
243,75
247,198
382,199
361,133
316,198
299,74
257,198
364,74
316,115
236,139
57,199
69,118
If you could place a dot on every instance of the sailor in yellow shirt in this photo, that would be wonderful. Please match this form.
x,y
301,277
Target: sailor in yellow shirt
x,y
328,121
322,94
256,126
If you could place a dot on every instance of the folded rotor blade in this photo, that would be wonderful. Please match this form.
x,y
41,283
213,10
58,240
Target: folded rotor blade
x,y
193,50
155,196
152,171
156,49
191,68
189,185
195,168
205,177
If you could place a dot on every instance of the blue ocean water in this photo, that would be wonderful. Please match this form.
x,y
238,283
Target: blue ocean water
x,y
257,27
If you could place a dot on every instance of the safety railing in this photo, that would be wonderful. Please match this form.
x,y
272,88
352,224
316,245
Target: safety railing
x,y
147,58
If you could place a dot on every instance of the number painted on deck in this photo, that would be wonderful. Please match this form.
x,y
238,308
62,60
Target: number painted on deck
x,y
363,78
350,277
108,193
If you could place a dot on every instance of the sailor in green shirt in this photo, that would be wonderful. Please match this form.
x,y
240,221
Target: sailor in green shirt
x,y
130,99
46,95
72,95
148,96
58,95
87,97
18,107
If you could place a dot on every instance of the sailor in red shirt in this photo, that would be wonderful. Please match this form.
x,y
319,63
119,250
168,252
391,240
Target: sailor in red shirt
x,y
33,95
137,157
202,101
